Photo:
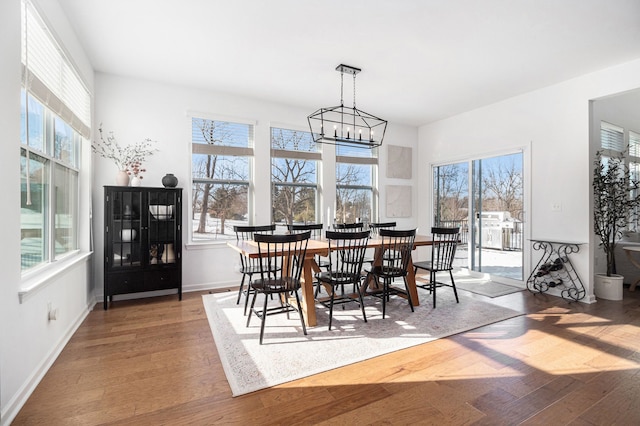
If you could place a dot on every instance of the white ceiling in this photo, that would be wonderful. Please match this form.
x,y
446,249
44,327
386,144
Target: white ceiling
x,y
421,60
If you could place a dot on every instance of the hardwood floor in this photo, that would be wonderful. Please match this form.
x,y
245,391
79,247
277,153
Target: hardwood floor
x,y
154,361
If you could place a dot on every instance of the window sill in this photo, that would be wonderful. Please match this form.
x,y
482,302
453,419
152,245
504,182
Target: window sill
x,y
34,281
207,245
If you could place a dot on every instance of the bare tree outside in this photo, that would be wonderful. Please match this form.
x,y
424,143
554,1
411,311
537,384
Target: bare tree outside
x,y
451,193
294,179
353,193
218,190
502,187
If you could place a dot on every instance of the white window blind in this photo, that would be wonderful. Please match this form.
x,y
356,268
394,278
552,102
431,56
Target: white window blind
x,y
49,76
611,137
634,144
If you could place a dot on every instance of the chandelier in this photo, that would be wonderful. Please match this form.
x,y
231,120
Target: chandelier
x,y
347,126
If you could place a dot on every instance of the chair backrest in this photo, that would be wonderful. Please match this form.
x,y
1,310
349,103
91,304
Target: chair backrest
x,y
346,253
397,246
315,228
247,232
282,255
443,251
376,227
348,227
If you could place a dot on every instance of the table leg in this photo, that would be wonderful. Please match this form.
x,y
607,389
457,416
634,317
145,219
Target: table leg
x,y
308,301
411,284
411,278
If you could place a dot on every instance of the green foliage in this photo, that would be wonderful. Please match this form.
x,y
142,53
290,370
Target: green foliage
x,y
613,206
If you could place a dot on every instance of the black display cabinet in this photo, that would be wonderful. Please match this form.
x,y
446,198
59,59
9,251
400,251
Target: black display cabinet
x,y
142,240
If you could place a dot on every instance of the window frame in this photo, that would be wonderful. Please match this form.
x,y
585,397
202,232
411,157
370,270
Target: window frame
x,y
290,154
51,83
372,161
247,152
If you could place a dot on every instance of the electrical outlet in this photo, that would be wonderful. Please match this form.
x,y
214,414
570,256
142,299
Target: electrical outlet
x,y
556,206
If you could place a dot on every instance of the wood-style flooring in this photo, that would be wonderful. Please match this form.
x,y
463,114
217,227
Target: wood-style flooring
x,y
154,362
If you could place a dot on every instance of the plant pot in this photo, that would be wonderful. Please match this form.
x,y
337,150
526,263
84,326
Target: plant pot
x,y
608,288
136,181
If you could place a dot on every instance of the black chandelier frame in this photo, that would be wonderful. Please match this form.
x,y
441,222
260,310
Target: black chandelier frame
x,y
347,126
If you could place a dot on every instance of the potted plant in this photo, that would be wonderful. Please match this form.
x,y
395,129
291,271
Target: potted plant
x,y
128,159
614,207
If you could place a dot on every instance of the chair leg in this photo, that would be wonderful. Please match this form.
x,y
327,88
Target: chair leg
x,y
453,284
304,327
264,317
385,294
406,288
361,303
240,292
333,296
253,302
432,278
249,291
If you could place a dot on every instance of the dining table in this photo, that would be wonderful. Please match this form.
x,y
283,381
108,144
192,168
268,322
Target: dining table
x,y
320,246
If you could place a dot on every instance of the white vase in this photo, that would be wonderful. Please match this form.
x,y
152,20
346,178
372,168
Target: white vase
x,y
169,253
122,178
127,235
136,181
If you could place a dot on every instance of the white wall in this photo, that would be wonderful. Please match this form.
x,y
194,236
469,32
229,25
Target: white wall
x,y
555,123
136,109
29,343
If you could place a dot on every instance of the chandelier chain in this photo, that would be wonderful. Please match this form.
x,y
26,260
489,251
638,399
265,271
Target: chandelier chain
x,y
341,87
354,90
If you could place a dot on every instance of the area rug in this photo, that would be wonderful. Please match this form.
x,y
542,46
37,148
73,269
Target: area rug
x,y
287,354
478,285
487,288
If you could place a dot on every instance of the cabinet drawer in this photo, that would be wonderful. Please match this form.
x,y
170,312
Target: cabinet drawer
x,y
123,283
162,279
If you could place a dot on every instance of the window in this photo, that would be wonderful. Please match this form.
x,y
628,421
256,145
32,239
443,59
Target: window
x,y
356,190
634,172
220,173
50,145
294,176
634,155
612,143
611,137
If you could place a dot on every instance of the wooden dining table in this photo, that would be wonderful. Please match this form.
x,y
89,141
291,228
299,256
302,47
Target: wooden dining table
x,y
320,246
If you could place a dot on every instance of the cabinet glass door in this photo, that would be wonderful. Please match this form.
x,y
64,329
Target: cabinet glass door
x,y
126,233
162,229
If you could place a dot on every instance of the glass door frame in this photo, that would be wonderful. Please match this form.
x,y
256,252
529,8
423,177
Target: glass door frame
x,y
526,200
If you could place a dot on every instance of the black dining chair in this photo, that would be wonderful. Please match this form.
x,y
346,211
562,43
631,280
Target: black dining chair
x,y
376,227
443,251
248,266
346,254
348,227
316,232
397,246
283,254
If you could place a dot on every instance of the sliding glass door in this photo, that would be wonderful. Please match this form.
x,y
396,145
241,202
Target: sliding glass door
x,y
485,198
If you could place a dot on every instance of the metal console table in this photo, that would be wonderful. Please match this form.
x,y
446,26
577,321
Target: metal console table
x,y
554,269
